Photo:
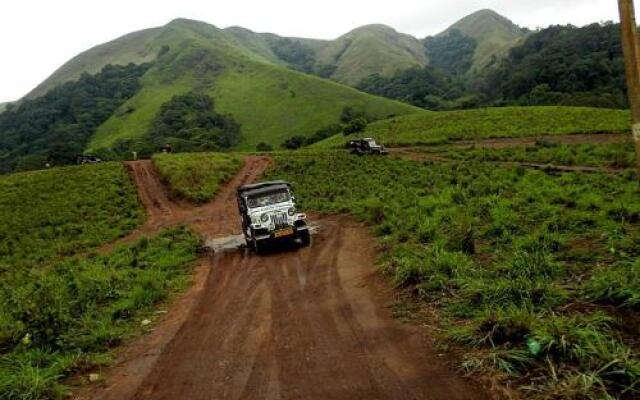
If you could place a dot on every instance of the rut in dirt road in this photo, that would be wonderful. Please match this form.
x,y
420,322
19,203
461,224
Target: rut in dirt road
x,y
302,324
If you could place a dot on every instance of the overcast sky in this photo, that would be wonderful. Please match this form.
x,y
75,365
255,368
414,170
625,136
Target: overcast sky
x,y
36,37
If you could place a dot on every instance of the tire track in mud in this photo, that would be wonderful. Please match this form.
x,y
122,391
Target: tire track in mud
x,y
309,323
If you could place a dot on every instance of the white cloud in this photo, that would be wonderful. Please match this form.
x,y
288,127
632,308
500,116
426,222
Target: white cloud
x,y
38,36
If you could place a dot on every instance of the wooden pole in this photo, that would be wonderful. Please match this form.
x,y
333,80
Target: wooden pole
x,y
631,50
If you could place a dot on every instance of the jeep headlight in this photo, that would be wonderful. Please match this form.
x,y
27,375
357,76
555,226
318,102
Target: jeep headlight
x,y
264,217
291,211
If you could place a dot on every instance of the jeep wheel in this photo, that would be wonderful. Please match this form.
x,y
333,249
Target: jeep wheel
x,y
305,238
258,246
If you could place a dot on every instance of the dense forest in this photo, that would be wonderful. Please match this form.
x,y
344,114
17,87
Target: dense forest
x,y
452,52
563,65
427,87
300,57
190,123
54,129
560,65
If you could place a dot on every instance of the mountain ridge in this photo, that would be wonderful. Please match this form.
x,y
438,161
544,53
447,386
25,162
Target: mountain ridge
x,y
365,50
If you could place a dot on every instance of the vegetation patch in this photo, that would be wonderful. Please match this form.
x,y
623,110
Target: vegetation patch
x,y
523,265
60,212
58,320
616,155
439,127
189,123
54,129
197,176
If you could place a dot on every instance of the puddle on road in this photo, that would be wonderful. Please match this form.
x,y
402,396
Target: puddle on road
x,y
226,243
235,242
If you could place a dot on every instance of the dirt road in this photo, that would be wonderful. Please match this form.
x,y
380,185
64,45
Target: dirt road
x,y
310,323
435,154
578,138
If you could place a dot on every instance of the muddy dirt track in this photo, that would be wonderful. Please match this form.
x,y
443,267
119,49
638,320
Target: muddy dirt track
x,y
310,323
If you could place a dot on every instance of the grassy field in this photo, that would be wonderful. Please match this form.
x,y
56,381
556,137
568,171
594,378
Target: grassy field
x,y
613,155
59,212
429,128
535,275
196,177
64,319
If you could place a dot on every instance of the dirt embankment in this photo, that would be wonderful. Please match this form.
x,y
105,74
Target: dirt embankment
x,y
310,323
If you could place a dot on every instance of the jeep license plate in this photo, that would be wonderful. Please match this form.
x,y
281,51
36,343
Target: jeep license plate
x,y
283,232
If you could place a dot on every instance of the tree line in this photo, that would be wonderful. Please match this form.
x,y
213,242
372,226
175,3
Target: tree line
x,y
55,128
559,65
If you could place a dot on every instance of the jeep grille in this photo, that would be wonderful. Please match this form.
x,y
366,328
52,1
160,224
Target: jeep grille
x,y
279,220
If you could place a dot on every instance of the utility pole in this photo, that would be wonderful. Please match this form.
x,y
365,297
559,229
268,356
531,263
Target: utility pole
x,y
631,50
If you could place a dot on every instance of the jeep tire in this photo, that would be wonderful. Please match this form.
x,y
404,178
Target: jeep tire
x,y
259,246
305,238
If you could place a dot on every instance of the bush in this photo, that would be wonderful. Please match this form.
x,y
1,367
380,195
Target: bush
x,y
293,143
263,147
355,126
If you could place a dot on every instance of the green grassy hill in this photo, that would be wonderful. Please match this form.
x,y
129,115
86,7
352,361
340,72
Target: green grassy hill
x,y
437,127
371,49
270,102
3,106
351,57
137,47
494,34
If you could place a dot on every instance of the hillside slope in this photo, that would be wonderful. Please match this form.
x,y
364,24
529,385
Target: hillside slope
x,y
499,122
348,59
137,47
270,102
371,49
494,35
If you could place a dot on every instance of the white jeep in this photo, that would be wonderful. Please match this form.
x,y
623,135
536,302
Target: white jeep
x,y
269,214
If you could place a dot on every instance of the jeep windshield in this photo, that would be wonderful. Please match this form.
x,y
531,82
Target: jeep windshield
x,y
267,199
